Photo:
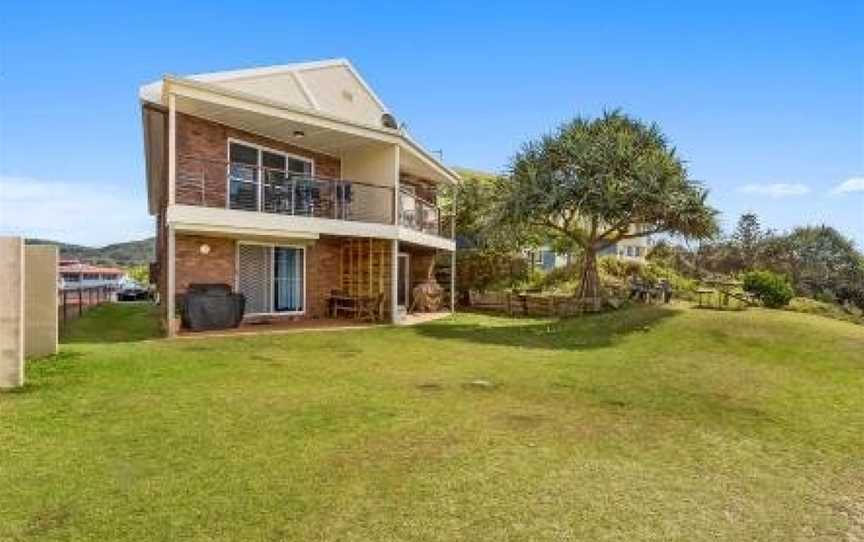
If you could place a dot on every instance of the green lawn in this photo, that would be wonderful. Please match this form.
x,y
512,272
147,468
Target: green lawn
x,y
645,424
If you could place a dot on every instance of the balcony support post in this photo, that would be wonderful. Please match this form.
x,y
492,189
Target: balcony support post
x,y
453,212
171,288
453,281
172,148
394,281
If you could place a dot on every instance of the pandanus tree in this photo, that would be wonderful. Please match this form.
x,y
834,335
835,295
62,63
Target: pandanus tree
x,y
595,182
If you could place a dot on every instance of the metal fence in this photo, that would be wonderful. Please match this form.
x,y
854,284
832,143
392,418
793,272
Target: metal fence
x,y
72,302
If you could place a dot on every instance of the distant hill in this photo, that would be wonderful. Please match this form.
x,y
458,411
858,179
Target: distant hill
x,y
467,173
119,254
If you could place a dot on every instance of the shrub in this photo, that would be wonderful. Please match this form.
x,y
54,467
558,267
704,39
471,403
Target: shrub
x,y
532,280
611,266
486,270
562,278
829,310
771,289
684,287
853,295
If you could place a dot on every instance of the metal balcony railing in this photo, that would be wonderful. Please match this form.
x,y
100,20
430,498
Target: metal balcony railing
x,y
419,214
215,183
232,185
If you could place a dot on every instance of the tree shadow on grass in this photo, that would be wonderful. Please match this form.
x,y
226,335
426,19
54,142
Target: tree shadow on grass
x,y
113,323
575,333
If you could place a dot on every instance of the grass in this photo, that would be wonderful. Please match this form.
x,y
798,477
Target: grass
x,y
829,310
654,423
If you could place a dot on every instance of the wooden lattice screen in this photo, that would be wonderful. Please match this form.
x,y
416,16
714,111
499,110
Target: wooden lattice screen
x,y
365,267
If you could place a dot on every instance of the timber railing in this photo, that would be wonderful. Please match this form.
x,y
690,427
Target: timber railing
x,y
530,304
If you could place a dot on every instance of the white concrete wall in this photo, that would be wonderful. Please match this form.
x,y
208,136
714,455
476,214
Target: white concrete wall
x,y
40,301
377,165
372,164
11,312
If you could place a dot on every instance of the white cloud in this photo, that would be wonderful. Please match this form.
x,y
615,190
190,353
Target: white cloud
x,y
855,184
776,190
84,213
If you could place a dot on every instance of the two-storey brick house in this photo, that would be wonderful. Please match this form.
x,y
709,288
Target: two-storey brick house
x,y
289,183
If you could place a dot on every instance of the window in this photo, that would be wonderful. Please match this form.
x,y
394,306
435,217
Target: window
x,y
264,179
243,177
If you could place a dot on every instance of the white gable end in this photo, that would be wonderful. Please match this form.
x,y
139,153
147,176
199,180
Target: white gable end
x,y
332,87
281,87
339,92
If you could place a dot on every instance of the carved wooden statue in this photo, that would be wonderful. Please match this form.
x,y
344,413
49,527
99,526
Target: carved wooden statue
x,y
428,294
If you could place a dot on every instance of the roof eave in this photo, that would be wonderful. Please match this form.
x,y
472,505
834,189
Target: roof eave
x,y
155,93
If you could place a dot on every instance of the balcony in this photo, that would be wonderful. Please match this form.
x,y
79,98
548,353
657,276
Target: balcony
x,y
238,186
419,214
214,183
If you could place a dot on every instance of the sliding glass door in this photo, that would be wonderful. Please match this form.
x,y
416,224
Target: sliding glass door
x,y
272,278
288,279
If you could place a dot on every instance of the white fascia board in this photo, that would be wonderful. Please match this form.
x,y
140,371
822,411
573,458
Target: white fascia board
x,y
271,224
152,93
417,150
419,238
192,218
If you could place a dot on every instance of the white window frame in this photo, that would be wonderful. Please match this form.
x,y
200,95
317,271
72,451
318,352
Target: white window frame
x,y
271,293
260,149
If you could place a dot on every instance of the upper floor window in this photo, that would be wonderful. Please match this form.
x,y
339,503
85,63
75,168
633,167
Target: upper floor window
x,y
258,174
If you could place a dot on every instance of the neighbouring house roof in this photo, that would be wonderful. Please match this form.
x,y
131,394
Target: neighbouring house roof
x,y
74,267
331,90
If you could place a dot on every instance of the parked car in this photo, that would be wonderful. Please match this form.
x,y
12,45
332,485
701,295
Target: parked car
x,y
133,292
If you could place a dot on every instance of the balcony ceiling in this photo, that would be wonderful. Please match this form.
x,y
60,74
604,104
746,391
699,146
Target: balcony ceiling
x,y
326,140
315,137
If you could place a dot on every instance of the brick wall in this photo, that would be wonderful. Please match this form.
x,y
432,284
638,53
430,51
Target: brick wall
x,y
194,267
322,275
322,267
198,138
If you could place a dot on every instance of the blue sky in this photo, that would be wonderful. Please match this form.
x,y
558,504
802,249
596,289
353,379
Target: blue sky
x,y
765,102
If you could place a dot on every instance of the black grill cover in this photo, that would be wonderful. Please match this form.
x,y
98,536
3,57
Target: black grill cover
x,y
212,306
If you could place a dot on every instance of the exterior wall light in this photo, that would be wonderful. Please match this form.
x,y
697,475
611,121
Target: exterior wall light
x,y
205,249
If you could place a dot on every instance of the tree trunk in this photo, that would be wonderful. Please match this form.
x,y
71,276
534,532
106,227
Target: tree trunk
x,y
590,292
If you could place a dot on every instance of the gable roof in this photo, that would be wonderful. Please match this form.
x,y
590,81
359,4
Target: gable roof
x,y
332,87
331,90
